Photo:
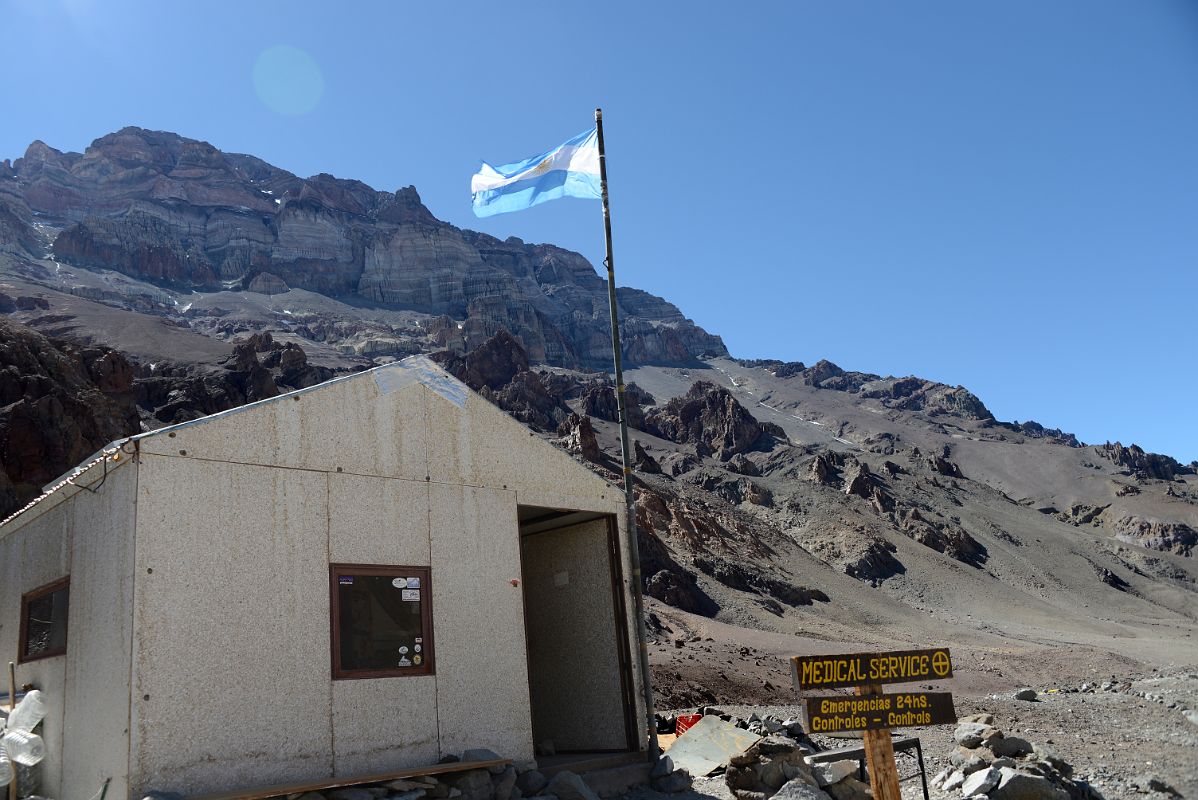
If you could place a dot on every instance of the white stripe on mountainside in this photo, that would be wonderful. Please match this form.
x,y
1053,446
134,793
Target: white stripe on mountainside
x,y
571,158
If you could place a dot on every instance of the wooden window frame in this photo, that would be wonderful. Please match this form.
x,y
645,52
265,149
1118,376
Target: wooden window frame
x,y
426,620
26,599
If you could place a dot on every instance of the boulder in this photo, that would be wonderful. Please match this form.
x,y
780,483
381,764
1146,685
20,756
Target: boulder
x,y
849,789
980,782
415,794
766,766
1015,785
1025,694
1009,746
531,782
485,754
799,789
351,793
569,786
673,782
664,766
961,756
403,785
474,784
980,718
969,734
953,781
504,783
833,772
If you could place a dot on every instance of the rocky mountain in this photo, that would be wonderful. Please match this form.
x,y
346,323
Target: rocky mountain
x,y
154,279
370,273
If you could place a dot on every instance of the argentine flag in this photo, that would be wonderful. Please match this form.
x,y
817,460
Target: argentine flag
x,y
568,170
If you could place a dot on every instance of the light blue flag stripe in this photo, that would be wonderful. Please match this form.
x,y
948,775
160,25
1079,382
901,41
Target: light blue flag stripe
x,y
526,194
569,170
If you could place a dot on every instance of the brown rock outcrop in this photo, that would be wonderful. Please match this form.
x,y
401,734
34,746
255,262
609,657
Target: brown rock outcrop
x,y
59,403
268,283
1142,464
945,467
643,461
498,370
578,436
709,416
1155,534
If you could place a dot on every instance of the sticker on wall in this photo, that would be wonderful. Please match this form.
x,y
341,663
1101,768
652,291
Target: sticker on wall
x,y
400,583
413,583
561,578
404,662
404,648
418,648
416,660
411,595
345,580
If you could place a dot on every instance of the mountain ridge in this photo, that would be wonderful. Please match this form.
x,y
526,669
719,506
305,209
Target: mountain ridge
x,y
183,216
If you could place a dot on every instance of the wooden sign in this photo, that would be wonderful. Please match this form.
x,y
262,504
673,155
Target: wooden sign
x,y
870,669
869,709
835,713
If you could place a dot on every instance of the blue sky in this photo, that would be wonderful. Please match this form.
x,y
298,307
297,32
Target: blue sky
x,y
1001,195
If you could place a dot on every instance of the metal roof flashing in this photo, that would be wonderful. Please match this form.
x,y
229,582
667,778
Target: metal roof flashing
x,y
388,377
111,456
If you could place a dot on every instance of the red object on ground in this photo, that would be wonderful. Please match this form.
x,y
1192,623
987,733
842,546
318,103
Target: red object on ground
x,y
686,722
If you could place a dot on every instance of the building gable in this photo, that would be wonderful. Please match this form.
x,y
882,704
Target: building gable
x,y
409,420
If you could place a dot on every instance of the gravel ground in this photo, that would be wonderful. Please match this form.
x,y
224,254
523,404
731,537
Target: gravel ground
x,y
1119,739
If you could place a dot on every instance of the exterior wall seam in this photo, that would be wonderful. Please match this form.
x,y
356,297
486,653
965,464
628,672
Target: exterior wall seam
x,y
428,527
428,479
328,559
137,463
68,655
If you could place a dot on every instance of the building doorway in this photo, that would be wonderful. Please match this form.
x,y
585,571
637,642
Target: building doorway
x,y
579,673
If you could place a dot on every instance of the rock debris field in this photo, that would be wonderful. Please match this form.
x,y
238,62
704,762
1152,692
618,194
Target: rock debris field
x,y
1132,736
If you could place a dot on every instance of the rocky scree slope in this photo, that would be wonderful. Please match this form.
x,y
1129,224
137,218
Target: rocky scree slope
x,y
738,521
988,534
198,230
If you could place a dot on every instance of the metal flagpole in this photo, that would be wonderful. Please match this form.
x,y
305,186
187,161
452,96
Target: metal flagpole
x,y
634,555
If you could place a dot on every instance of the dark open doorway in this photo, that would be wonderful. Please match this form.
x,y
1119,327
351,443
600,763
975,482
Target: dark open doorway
x,y
579,673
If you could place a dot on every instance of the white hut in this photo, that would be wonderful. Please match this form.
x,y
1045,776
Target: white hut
x,y
359,577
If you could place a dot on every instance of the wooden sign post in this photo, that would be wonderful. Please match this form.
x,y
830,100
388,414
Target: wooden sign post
x,y
870,710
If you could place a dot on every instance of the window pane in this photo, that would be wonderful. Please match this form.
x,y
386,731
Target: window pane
x,y
380,621
46,623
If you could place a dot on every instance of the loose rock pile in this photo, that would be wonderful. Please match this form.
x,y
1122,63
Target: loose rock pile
x,y
499,782
776,767
769,766
987,763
